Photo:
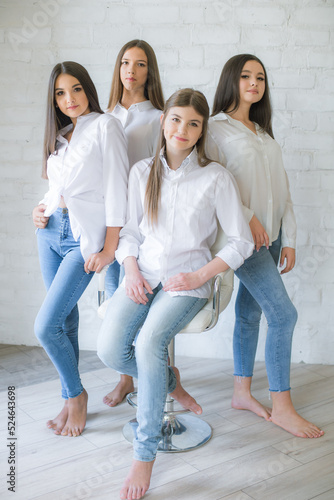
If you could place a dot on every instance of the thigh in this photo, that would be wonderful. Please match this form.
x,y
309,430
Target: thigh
x,y
259,274
68,284
122,320
166,317
49,258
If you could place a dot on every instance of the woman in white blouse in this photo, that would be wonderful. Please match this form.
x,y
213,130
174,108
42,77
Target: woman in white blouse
x,y
136,99
241,137
175,201
78,221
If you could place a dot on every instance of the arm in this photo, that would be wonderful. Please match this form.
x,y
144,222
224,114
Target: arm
x,y
259,234
97,261
193,280
214,151
289,226
239,239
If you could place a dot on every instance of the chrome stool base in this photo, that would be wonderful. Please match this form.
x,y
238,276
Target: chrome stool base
x,y
180,433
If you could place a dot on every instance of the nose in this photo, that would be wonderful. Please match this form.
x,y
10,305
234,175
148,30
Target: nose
x,y
70,98
130,68
181,128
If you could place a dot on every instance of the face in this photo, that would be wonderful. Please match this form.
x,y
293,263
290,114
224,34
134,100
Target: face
x,y
70,97
252,83
182,129
134,69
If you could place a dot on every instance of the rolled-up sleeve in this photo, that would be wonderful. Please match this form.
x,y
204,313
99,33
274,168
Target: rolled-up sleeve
x,y
130,236
115,172
231,217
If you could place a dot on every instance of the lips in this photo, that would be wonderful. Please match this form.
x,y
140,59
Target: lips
x,y
72,107
180,138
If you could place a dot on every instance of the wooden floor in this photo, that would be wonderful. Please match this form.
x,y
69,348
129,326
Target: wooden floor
x,y
247,458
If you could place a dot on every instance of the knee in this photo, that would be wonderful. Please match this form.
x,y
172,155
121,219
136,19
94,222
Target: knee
x,y
289,317
41,329
109,352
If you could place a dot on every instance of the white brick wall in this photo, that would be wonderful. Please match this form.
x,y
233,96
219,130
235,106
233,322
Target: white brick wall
x,y
192,39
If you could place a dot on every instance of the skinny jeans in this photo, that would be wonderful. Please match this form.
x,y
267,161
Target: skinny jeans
x,y
261,289
57,322
159,321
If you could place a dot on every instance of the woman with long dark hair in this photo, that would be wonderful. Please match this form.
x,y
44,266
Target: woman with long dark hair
x,y
78,221
241,137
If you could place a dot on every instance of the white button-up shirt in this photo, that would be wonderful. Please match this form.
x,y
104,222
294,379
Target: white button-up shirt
x,y
193,200
91,174
255,160
141,123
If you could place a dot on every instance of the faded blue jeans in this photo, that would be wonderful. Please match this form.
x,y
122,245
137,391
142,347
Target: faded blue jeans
x,y
261,289
57,323
160,320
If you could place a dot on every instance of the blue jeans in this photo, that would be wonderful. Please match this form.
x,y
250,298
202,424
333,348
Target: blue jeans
x,y
57,323
160,320
112,279
261,289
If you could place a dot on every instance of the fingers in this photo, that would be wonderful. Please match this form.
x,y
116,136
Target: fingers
x,y
147,286
39,220
137,294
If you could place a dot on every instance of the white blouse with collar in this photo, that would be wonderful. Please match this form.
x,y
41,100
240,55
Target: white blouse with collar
x,y
141,123
91,173
255,160
192,199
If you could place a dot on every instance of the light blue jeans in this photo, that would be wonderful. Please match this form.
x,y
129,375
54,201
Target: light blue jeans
x,y
56,325
261,289
160,320
113,278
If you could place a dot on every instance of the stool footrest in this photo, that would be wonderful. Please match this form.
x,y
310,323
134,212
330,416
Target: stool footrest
x,y
179,433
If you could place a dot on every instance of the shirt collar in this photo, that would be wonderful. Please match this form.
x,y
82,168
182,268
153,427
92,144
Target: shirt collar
x,y
225,117
83,119
188,163
140,106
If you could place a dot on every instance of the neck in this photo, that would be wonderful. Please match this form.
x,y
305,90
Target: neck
x,y
175,159
242,113
132,97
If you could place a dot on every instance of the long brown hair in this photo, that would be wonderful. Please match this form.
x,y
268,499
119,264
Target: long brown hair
x,y
153,89
228,96
55,119
181,98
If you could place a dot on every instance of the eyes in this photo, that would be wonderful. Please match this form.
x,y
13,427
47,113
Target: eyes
x,y
140,64
191,124
60,93
260,78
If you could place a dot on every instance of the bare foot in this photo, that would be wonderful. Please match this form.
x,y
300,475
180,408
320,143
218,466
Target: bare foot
x,y
58,423
243,400
137,481
124,387
248,402
183,397
77,413
284,415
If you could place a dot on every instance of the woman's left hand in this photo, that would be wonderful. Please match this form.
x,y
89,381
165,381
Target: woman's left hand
x,y
183,281
97,261
289,255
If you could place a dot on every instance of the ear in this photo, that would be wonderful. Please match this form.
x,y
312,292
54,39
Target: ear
x,y
161,118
